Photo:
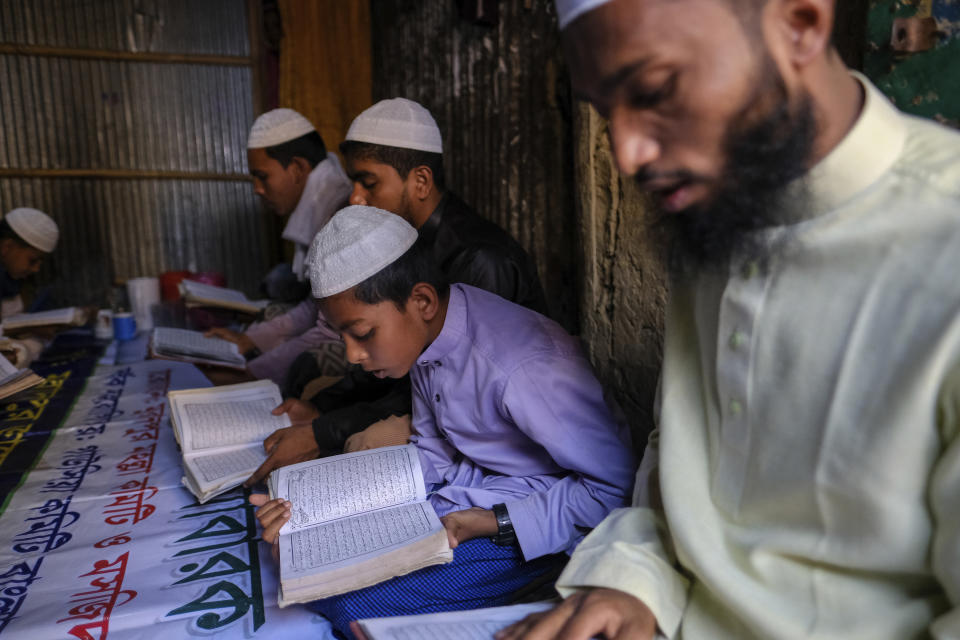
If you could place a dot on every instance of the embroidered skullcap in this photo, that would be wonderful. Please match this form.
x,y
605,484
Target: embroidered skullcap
x,y
34,227
570,10
397,122
276,127
357,243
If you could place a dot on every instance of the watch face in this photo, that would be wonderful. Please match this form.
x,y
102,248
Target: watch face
x,y
505,533
502,516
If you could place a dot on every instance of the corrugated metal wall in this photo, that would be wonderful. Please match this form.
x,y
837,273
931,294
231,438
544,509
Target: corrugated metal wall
x,y
126,120
215,27
501,98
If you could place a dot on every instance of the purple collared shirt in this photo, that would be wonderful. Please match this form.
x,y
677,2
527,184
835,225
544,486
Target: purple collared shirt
x,y
506,408
285,337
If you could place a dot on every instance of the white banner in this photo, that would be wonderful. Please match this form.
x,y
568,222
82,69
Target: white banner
x,y
101,539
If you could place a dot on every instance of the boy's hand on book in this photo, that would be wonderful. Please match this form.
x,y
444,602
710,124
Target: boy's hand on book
x,y
297,410
469,523
272,514
244,344
284,447
587,614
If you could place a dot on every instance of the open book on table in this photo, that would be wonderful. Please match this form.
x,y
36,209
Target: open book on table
x,y
221,432
477,624
13,380
357,519
66,317
198,294
193,346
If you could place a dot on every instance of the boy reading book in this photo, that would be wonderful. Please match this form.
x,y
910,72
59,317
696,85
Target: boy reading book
x,y
516,443
27,237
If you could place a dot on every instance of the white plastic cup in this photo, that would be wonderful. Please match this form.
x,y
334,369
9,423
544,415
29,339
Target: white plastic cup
x,y
144,293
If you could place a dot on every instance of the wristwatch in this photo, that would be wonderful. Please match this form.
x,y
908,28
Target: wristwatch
x,y
505,534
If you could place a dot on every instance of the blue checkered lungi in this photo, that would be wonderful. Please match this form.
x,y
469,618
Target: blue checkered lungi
x,y
482,574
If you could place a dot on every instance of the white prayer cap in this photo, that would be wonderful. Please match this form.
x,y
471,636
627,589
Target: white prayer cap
x,y
276,127
397,122
357,243
570,10
34,227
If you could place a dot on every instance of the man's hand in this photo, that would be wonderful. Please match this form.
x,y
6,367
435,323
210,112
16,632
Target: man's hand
x,y
272,515
609,613
244,344
469,523
297,410
285,447
390,431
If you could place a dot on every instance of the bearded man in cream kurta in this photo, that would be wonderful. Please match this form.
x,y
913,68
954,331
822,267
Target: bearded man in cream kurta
x,y
804,480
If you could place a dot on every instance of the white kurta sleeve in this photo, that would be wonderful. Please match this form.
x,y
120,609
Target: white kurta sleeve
x,y
630,551
944,498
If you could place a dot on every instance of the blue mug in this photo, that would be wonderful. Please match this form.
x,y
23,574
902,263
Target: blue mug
x,y
124,326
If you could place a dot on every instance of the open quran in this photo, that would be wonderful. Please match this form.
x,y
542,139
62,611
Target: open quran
x,y
13,380
476,624
66,317
221,432
192,346
198,294
356,519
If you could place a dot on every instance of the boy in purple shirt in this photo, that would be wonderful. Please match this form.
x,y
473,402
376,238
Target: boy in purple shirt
x,y
512,429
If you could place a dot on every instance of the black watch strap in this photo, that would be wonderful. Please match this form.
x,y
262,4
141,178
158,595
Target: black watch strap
x,y
506,536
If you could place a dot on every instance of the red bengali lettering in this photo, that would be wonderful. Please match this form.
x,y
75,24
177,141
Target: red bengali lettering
x,y
128,503
97,604
140,460
120,538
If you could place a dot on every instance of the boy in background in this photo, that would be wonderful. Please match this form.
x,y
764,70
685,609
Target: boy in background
x,y
295,177
27,236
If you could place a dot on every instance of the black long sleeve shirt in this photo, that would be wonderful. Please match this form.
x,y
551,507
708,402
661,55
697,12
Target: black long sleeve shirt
x,y
468,249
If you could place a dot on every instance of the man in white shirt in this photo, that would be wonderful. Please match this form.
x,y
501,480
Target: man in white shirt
x,y
804,480
293,175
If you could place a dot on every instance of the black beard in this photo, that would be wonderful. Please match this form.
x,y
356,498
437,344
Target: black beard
x,y
762,159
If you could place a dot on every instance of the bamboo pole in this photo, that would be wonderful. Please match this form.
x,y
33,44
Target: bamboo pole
x,y
123,174
126,56
254,29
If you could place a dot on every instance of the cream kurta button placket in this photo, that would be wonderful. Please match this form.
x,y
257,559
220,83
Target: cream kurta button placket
x,y
740,308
